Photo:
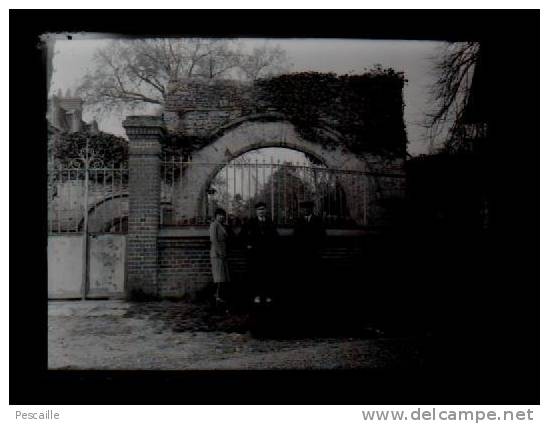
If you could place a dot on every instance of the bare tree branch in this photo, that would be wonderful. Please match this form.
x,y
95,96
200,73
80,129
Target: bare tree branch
x,y
130,73
452,88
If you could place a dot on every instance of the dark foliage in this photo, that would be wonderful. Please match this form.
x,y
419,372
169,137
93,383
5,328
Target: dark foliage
x,y
106,149
364,113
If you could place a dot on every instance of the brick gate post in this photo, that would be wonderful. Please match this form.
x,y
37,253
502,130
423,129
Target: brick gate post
x,y
144,133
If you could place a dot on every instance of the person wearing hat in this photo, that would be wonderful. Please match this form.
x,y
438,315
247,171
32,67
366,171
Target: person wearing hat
x,y
260,237
309,235
219,236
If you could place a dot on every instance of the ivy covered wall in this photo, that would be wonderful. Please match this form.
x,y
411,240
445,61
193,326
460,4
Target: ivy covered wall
x,y
361,113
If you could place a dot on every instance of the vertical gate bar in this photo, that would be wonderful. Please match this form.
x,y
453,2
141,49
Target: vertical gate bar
x,y
278,193
328,194
69,199
58,206
172,167
94,192
326,189
331,194
326,186
321,177
287,170
120,189
104,214
76,177
182,166
337,196
50,197
169,167
163,185
352,204
282,190
272,190
284,200
206,210
300,188
85,225
227,185
340,190
354,201
334,194
162,190
303,183
119,194
319,189
112,229
241,170
263,170
51,203
249,190
364,185
103,194
234,183
291,191
65,217
314,194
316,190
256,178
166,184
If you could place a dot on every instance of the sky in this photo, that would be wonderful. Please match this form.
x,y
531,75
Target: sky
x,y
72,58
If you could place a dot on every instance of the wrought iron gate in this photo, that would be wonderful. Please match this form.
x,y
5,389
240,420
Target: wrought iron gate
x,y
343,198
87,227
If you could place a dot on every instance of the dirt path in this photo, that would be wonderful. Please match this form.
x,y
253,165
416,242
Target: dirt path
x,y
174,336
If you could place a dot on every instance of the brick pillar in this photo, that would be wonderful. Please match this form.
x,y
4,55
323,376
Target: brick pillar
x,y
144,133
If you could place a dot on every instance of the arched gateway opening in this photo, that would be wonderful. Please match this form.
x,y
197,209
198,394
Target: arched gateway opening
x,y
269,162
282,178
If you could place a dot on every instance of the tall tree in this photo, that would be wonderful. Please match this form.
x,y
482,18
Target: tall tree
x,y
133,73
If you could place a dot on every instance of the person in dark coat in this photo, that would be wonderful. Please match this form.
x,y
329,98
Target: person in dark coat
x,y
308,280
260,238
309,236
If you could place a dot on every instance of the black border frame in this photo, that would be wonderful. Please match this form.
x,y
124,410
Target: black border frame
x,y
515,35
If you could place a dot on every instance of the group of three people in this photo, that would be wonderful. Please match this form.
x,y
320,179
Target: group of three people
x,y
260,238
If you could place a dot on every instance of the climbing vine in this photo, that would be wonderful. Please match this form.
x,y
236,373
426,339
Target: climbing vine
x,y
363,113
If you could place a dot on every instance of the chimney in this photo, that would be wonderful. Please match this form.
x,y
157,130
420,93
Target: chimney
x,y
76,118
94,127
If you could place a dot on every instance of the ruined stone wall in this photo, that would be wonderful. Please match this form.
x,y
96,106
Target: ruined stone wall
x,y
198,107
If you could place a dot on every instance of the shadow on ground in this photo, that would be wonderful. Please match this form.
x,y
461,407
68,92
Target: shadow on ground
x,y
280,320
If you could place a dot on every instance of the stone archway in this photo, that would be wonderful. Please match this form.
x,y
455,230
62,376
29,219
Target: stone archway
x,y
247,136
